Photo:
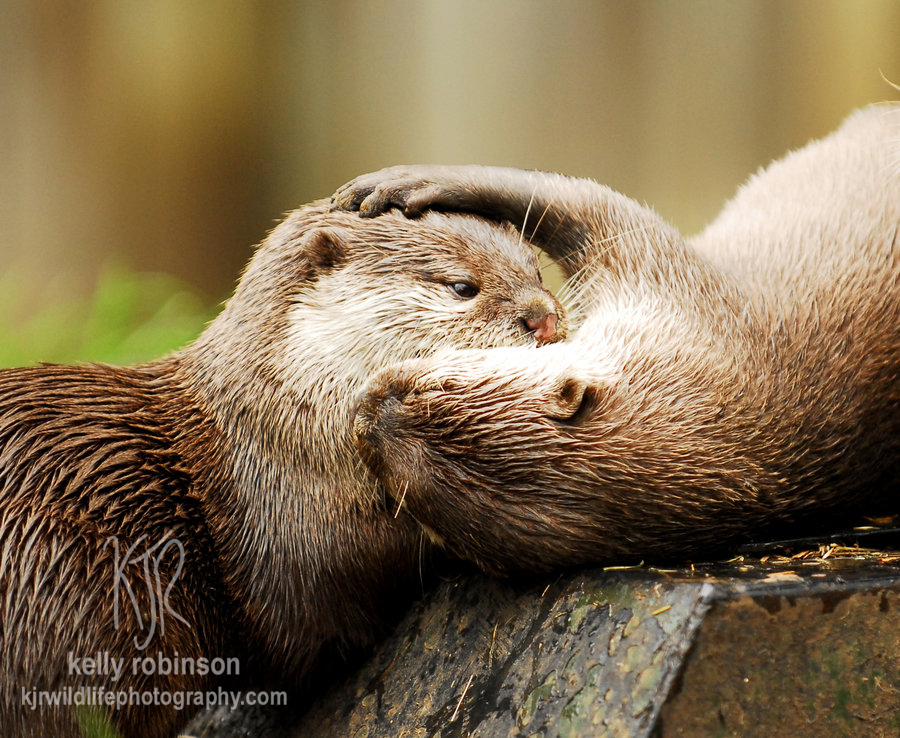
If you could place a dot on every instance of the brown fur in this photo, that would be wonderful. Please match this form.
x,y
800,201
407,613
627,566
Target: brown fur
x,y
731,385
239,446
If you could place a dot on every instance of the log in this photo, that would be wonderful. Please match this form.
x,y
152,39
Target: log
x,y
760,645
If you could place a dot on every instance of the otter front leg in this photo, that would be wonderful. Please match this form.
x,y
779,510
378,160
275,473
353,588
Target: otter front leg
x,y
576,221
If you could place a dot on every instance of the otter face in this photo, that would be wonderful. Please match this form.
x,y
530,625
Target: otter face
x,y
498,464
389,289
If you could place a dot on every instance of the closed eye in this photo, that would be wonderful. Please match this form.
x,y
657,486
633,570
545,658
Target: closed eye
x,y
463,290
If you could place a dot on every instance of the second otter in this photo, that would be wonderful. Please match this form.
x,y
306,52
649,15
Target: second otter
x,y
740,383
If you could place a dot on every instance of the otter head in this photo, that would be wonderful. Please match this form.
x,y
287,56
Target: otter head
x,y
524,459
480,448
446,280
330,298
386,290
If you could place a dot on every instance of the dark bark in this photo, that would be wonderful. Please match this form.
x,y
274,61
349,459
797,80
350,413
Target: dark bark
x,y
750,647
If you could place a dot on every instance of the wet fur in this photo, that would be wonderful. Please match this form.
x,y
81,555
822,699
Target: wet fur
x,y
240,446
732,385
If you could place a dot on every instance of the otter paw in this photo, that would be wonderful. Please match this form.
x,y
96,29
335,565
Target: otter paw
x,y
395,187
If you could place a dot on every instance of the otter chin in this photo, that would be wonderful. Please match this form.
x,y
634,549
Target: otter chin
x,y
734,385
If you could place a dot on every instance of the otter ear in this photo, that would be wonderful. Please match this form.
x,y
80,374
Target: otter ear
x,y
573,400
324,249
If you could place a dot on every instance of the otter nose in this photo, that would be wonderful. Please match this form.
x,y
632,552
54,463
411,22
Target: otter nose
x,y
543,328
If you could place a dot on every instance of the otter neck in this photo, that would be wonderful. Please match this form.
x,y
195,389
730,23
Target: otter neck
x,y
308,549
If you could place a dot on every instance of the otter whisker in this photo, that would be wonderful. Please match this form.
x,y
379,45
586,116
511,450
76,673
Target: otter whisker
x,y
527,211
541,219
491,649
421,558
402,498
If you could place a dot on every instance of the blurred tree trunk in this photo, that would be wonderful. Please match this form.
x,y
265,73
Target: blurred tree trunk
x,y
133,131
172,135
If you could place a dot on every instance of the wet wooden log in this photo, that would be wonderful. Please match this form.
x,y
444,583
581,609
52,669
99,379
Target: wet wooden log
x,y
761,645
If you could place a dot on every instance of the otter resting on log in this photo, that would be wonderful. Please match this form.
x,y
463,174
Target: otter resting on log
x,y
738,384
166,529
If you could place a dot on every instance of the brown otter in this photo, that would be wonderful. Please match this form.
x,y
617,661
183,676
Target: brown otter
x,y
729,385
161,521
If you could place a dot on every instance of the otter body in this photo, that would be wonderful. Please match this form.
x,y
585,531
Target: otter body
x,y
742,383
169,527
96,460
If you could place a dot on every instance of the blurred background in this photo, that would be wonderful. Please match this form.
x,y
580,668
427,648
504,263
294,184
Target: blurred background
x,y
146,146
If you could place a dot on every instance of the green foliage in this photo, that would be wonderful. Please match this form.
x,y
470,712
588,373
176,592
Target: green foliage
x,y
130,318
95,722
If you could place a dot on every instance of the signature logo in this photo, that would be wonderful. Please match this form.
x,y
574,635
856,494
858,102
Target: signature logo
x,y
148,561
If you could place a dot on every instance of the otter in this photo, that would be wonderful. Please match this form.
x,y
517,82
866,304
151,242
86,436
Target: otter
x,y
168,526
739,384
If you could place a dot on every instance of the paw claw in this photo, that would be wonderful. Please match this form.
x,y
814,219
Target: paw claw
x,y
351,195
371,205
396,187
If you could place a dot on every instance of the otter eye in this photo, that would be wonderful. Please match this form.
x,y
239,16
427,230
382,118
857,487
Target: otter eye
x,y
463,289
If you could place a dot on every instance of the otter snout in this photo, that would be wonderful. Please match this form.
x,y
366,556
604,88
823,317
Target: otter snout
x,y
544,320
544,328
